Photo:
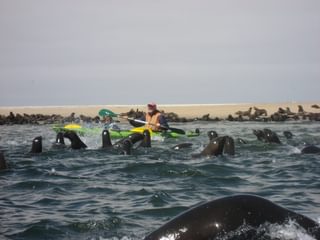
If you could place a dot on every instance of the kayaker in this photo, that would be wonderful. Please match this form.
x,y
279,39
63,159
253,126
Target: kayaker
x,y
155,120
109,123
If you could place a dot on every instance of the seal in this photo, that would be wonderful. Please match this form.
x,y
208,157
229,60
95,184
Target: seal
x,y
212,135
106,140
242,141
76,142
126,147
60,139
182,146
266,135
229,147
311,150
214,148
271,137
259,134
125,144
146,141
3,163
239,214
36,145
245,113
288,134
259,112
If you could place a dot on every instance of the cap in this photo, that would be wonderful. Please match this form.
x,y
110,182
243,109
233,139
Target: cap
x,y
152,105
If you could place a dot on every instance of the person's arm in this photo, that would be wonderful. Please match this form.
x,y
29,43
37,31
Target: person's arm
x,y
137,124
163,121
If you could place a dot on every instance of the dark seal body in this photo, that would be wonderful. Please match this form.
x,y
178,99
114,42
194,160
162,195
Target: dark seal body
x,y
36,145
60,139
220,217
106,140
76,142
311,150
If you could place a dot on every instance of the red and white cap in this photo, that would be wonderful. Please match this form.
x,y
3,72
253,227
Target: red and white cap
x,y
152,105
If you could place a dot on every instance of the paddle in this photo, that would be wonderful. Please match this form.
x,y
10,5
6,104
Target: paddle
x,y
106,112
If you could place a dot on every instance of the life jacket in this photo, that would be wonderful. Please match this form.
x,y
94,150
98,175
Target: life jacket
x,y
153,120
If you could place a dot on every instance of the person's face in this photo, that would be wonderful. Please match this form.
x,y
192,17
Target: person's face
x,y
151,110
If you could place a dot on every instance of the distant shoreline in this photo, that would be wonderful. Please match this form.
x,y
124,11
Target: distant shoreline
x,y
183,110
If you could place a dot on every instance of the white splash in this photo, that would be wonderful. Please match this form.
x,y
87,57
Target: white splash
x,y
288,231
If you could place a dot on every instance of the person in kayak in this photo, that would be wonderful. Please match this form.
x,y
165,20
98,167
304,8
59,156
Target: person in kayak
x,y
109,123
155,120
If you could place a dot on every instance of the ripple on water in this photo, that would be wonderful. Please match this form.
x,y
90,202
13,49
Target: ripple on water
x,y
99,194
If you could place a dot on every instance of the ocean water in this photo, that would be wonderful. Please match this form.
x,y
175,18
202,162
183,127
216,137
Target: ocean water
x,y
97,194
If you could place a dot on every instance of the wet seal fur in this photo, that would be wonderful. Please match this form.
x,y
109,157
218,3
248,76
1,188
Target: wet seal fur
x,y
219,217
216,147
36,145
311,150
75,140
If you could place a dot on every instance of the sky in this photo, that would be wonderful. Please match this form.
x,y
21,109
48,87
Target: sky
x,y
74,52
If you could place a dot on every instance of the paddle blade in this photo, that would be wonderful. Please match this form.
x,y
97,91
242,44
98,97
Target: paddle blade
x,y
107,112
177,130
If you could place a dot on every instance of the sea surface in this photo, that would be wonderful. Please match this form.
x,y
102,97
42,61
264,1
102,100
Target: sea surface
x,y
98,194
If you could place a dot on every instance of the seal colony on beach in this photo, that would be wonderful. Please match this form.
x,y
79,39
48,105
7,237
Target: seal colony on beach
x,y
173,113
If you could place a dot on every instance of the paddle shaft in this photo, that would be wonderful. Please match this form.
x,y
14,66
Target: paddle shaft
x,y
180,131
141,121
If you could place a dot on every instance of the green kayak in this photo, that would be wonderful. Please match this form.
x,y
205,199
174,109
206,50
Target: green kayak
x,y
116,134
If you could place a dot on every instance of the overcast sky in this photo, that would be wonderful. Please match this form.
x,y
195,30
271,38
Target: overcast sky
x,y
63,52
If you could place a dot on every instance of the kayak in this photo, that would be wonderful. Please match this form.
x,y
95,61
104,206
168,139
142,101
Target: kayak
x,y
116,134
165,134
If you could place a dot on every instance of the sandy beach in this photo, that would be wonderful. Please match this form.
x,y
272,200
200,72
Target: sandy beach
x,y
187,110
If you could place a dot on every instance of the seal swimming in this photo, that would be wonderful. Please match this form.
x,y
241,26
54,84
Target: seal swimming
x,y
60,138
212,135
267,135
217,147
311,150
106,140
229,147
75,140
125,145
288,134
182,146
220,218
146,141
36,145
